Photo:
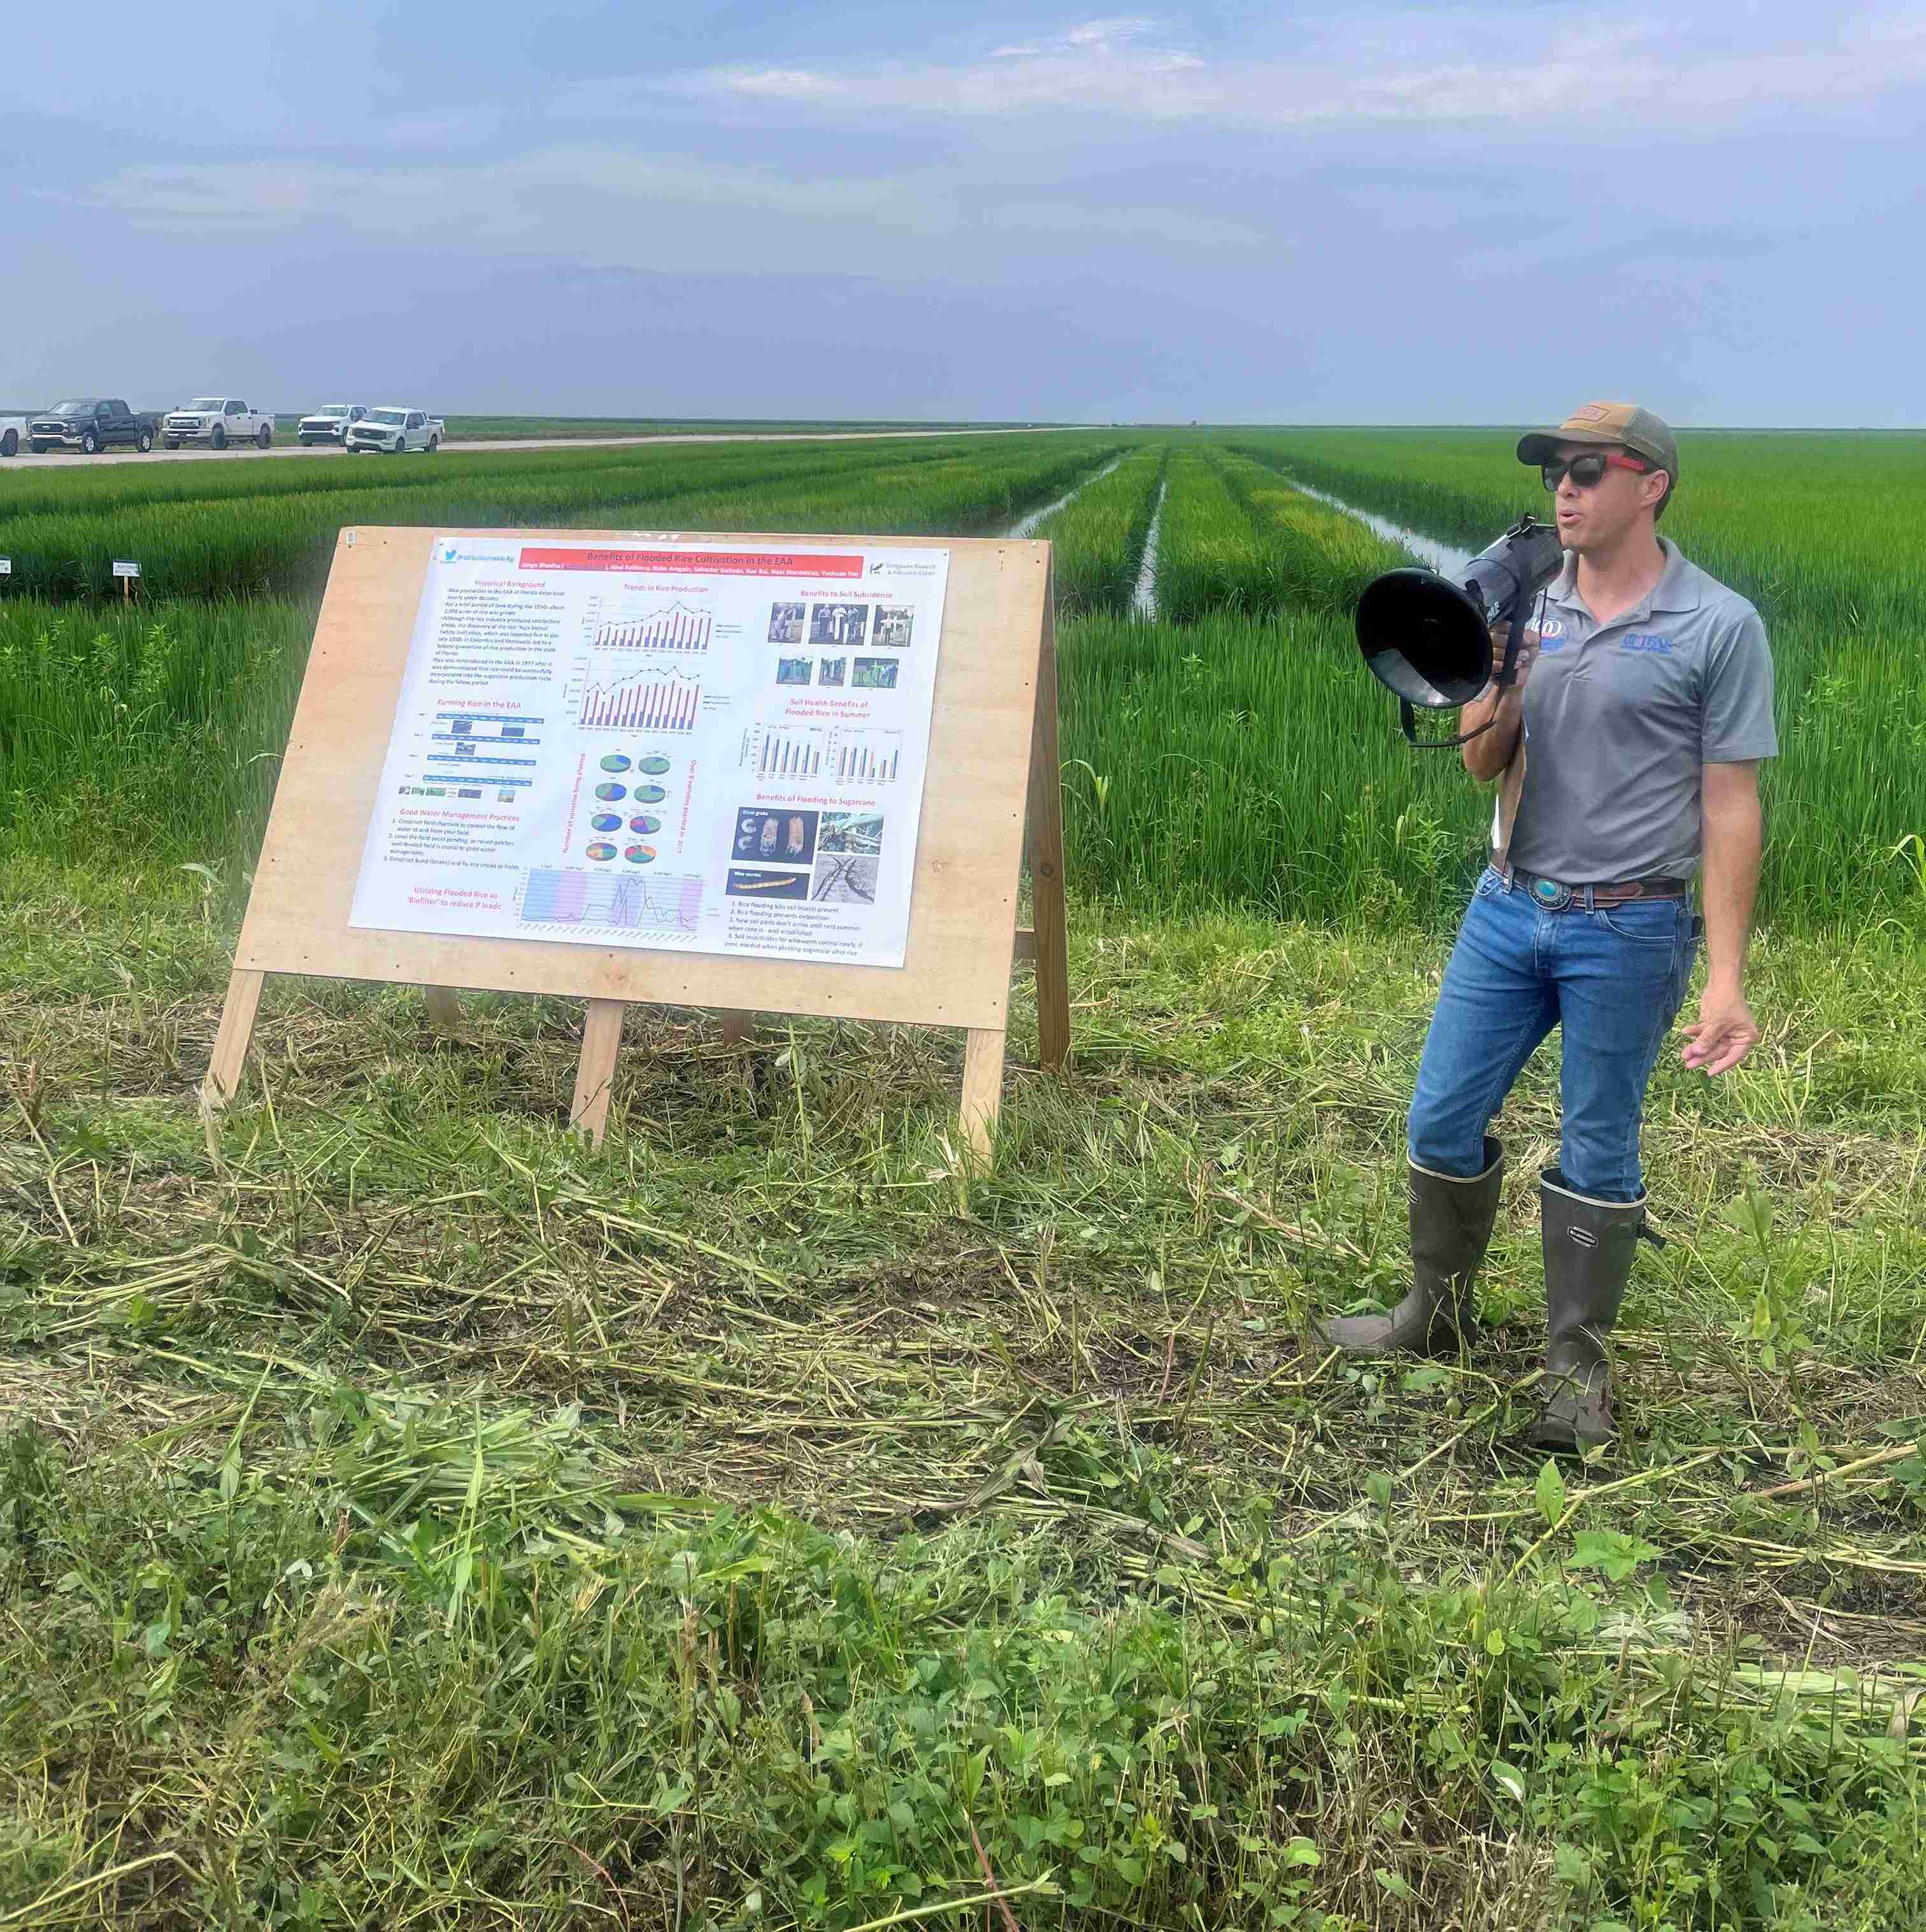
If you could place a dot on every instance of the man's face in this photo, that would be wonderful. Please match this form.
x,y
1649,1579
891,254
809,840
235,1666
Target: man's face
x,y
1600,517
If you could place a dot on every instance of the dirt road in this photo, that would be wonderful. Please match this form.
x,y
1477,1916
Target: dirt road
x,y
324,452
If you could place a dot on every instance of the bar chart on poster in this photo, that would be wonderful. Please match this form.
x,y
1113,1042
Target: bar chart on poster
x,y
673,745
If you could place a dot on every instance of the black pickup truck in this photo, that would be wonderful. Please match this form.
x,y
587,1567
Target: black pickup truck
x,y
90,423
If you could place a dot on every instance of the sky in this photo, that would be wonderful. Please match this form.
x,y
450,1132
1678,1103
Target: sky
x,y
1479,213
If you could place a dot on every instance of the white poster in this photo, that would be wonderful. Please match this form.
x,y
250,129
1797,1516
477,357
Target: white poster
x,y
676,743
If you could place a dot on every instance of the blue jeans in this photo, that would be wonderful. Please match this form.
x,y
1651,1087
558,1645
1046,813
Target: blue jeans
x,y
1612,979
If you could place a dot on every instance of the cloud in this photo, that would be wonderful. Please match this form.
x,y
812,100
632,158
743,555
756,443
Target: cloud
x,y
1443,67
604,206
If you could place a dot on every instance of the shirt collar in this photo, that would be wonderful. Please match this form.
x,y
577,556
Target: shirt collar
x,y
1677,588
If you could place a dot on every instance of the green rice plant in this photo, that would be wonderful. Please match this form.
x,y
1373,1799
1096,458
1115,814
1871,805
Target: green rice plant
x,y
1099,535
1236,537
1814,529
1248,761
185,486
1318,556
1209,558
280,543
128,735
1809,526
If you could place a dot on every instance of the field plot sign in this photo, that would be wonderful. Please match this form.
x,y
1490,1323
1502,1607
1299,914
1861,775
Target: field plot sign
x,y
754,773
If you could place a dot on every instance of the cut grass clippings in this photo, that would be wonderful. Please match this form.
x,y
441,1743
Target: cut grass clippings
x,y
434,1519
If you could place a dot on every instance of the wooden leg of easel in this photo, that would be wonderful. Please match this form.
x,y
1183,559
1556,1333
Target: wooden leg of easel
x,y
983,1086
601,1040
231,1043
1046,861
738,1028
444,1009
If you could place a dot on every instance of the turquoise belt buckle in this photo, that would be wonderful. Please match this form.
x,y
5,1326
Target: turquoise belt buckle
x,y
1549,894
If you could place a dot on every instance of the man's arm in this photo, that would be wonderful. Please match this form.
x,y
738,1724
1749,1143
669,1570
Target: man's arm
x,y
1486,755
1734,835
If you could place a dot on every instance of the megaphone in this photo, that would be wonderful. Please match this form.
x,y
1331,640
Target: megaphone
x,y
1427,638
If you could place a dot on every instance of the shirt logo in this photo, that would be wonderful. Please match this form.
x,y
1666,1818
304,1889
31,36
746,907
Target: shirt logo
x,y
1647,641
1552,634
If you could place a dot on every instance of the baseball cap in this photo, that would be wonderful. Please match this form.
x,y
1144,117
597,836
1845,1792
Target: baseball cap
x,y
1623,424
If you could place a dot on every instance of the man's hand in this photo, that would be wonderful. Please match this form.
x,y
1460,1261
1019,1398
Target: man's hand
x,y
1726,1032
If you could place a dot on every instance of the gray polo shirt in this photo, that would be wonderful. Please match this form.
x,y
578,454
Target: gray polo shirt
x,y
1619,717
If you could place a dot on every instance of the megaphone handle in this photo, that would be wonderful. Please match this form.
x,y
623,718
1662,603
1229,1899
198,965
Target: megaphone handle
x,y
1514,636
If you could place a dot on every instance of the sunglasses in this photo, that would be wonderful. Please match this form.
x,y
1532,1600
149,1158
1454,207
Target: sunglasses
x,y
1585,470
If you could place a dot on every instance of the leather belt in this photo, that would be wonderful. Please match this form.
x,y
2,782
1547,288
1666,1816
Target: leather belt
x,y
1554,895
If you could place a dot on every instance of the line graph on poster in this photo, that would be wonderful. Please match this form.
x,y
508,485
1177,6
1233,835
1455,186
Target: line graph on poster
x,y
651,701
671,627
556,896
839,754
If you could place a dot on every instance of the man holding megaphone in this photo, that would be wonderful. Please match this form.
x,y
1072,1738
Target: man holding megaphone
x,y
1625,726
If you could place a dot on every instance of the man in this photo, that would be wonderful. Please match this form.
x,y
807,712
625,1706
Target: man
x,y
1629,750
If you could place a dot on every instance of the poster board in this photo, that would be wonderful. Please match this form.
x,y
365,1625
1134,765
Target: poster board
x,y
991,765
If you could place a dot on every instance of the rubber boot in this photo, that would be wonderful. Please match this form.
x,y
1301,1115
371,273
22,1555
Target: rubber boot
x,y
1588,1248
1450,1228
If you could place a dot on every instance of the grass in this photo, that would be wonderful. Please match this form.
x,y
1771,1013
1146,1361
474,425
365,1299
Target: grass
x,y
421,1518
409,1517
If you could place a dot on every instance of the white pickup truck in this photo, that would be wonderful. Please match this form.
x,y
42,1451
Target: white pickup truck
x,y
394,431
12,433
218,420
330,423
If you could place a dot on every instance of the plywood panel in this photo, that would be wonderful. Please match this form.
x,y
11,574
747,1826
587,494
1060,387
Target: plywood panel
x,y
963,907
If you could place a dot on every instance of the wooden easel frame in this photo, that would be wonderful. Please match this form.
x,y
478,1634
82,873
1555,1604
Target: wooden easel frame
x,y
360,648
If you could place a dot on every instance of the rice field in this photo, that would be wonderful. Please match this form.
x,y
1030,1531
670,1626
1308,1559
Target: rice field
x,y
213,539
1231,758
779,1520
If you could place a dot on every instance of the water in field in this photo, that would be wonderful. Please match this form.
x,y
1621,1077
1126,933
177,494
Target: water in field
x,y
1028,526
1441,557
1144,599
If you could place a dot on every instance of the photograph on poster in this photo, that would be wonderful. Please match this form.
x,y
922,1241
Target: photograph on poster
x,y
860,831
844,623
894,623
792,670
785,623
786,837
845,880
745,882
875,674
831,670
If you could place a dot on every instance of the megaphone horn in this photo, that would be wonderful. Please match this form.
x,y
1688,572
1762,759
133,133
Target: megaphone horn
x,y
1426,638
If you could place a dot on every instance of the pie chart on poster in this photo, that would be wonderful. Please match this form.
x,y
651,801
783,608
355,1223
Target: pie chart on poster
x,y
600,849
